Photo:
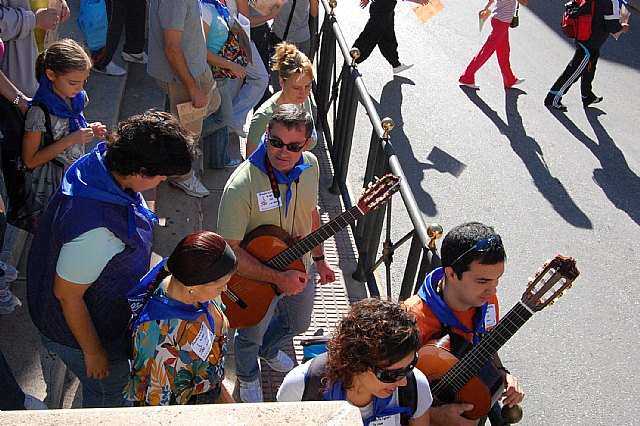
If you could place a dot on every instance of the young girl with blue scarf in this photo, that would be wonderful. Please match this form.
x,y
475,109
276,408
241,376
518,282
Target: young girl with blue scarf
x,y
62,70
373,351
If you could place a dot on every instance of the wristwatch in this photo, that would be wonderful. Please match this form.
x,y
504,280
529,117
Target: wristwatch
x,y
317,258
18,98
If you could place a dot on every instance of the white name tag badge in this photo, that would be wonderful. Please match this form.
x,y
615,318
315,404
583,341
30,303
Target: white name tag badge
x,y
490,318
203,342
266,201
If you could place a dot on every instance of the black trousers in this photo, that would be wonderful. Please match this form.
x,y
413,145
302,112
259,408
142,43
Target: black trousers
x,y
130,14
11,396
380,32
583,66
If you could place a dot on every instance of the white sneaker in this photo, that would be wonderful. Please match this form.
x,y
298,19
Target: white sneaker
x,y
401,67
233,163
470,86
251,391
518,81
137,58
192,187
9,302
10,273
33,403
281,362
111,69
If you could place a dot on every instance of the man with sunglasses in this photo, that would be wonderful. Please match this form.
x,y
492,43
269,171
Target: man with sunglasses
x,y
460,297
277,185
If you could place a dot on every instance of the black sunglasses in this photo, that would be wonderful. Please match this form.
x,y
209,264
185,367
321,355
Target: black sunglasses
x,y
482,245
292,147
392,376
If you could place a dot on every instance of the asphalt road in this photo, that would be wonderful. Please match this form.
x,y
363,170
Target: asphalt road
x,y
549,183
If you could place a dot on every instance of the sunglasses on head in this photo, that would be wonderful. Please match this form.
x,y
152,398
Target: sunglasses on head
x,y
482,245
392,376
291,147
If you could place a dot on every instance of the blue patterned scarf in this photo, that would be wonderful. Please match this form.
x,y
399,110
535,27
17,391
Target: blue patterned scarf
x,y
220,7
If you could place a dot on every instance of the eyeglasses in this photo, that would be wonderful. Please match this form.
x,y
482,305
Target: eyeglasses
x,y
482,245
392,376
291,147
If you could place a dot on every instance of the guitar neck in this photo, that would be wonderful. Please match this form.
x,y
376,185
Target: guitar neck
x,y
488,346
326,231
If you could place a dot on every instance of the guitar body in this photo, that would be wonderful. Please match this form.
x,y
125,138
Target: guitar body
x,y
247,300
438,356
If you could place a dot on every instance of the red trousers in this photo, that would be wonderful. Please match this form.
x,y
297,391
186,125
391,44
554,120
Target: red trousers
x,y
497,42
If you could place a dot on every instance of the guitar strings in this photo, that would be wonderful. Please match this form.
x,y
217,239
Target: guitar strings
x,y
463,370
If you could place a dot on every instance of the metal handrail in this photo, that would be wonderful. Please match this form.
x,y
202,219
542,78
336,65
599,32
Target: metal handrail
x,y
340,93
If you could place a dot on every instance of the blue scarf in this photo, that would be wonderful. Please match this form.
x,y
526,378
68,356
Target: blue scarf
x,y
258,159
220,7
443,313
88,177
380,405
58,106
160,307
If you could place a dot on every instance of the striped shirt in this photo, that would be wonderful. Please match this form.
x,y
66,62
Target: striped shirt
x,y
504,11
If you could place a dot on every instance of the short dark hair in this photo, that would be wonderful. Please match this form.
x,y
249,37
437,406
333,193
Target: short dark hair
x,y
461,238
375,333
292,116
151,144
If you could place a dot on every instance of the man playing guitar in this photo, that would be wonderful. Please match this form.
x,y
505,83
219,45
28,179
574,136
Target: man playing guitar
x,y
277,185
461,298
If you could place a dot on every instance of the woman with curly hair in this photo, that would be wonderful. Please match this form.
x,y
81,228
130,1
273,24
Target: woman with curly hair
x,y
179,329
372,353
295,76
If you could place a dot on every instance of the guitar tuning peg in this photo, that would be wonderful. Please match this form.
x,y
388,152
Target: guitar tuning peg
x,y
551,303
569,286
530,283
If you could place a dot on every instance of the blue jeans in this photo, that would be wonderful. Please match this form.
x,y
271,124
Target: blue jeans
x,y
287,317
215,127
246,96
96,393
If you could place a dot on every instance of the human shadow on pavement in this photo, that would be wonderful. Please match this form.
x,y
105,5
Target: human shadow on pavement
x,y
619,183
391,106
529,151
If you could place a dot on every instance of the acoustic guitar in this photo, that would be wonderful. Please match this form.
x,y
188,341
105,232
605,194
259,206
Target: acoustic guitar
x,y
247,300
459,372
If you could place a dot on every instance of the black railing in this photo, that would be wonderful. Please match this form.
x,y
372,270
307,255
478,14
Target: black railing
x,y
337,95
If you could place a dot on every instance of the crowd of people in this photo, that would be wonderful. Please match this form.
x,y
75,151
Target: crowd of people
x,y
135,336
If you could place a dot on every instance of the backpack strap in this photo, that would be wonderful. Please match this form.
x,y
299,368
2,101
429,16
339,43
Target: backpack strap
x,y
408,397
48,134
313,380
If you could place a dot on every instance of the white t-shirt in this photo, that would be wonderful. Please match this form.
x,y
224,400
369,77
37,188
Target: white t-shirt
x,y
292,389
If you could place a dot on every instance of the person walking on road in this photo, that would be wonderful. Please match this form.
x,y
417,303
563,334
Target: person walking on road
x,y
498,43
379,31
606,20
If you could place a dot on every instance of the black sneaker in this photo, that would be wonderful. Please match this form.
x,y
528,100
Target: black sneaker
x,y
591,99
559,106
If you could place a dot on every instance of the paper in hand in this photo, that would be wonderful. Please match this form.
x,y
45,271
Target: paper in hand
x,y
188,113
241,29
481,21
427,9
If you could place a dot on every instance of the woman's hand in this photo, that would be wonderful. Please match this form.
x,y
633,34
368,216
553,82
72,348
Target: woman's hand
x,y
364,3
484,13
238,70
